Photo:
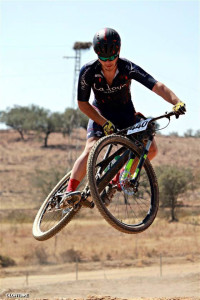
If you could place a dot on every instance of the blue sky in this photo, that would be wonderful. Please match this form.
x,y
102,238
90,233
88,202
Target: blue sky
x,y
160,36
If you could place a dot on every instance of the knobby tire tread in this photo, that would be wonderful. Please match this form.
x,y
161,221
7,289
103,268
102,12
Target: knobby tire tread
x,y
42,236
94,191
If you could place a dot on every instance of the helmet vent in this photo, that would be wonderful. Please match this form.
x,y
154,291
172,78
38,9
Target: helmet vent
x,y
106,42
111,48
101,49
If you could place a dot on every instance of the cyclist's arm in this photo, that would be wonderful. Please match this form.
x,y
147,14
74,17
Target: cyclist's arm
x,y
91,112
84,89
163,91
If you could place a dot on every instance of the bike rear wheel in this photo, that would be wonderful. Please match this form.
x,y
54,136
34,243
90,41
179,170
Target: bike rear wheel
x,y
48,221
130,210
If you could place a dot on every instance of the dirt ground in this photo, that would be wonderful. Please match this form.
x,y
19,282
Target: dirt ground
x,y
179,277
176,281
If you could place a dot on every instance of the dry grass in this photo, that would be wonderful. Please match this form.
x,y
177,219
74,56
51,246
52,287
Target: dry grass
x,y
20,161
89,235
96,241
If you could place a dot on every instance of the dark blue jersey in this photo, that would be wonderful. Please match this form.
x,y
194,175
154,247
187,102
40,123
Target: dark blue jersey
x,y
113,101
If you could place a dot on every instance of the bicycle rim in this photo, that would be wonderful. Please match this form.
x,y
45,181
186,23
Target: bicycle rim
x,y
129,211
49,222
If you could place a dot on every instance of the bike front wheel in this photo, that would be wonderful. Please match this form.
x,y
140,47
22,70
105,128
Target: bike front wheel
x,y
130,210
50,221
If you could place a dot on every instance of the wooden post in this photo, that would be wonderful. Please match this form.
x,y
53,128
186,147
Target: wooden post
x,y
160,265
76,268
55,244
136,247
27,278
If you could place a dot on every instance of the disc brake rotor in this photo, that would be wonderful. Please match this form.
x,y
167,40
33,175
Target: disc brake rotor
x,y
125,183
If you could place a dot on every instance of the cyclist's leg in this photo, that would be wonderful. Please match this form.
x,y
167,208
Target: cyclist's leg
x,y
152,153
79,168
94,132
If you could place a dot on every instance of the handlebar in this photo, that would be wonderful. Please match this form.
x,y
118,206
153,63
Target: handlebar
x,y
151,121
166,115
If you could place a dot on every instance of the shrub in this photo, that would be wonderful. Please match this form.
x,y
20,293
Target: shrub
x,y
71,255
45,180
41,255
95,257
173,182
6,261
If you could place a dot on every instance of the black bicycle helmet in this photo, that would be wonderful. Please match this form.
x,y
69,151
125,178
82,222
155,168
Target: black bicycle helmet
x,y
106,42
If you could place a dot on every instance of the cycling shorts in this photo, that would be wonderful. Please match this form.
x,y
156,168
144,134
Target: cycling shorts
x,y
96,130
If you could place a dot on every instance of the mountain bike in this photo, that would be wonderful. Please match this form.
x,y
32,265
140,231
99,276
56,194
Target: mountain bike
x,y
121,183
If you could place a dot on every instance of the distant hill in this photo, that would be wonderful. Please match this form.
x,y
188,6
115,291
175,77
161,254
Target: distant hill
x,y
20,160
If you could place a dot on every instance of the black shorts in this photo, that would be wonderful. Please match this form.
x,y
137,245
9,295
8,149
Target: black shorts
x,y
96,130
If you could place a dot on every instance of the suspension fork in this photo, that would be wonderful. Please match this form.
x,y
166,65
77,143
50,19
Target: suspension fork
x,y
141,161
128,166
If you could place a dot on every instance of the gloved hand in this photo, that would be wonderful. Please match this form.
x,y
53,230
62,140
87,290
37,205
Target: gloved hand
x,y
108,128
179,109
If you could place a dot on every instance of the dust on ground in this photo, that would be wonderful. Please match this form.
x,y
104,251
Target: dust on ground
x,y
177,281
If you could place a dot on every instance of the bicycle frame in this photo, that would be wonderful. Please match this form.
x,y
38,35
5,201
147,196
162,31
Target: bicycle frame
x,y
115,168
124,159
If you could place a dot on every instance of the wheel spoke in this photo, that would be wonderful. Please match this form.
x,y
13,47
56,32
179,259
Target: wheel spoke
x,y
49,219
129,206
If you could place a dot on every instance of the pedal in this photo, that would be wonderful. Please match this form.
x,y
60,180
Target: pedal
x,y
70,199
50,209
87,202
76,206
52,205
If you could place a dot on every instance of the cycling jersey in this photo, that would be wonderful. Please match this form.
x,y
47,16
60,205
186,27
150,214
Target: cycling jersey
x,y
113,101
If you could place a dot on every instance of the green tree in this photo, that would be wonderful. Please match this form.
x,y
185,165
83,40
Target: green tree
x,y
173,182
43,120
47,123
83,119
69,121
188,133
17,118
45,180
197,133
173,133
73,118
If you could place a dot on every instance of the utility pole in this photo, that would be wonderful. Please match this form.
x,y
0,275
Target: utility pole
x,y
78,46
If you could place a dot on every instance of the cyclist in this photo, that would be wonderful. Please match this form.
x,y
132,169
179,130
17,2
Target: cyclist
x,y
110,78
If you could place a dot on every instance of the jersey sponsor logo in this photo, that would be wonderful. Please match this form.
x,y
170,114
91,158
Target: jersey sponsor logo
x,y
83,82
135,69
108,89
98,75
138,71
99,133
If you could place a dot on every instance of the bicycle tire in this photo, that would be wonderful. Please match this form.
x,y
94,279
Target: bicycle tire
x,y
37,231
149,172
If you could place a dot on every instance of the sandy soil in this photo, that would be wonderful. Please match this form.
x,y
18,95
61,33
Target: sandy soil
x,y
175,282
19,160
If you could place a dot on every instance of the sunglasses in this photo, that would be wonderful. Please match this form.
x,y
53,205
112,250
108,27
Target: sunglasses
x,y
108,58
